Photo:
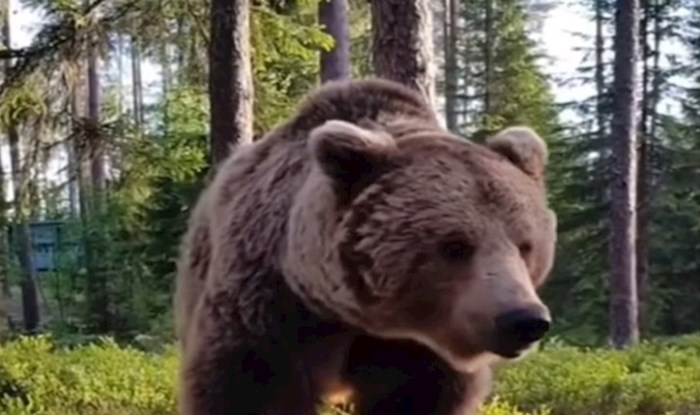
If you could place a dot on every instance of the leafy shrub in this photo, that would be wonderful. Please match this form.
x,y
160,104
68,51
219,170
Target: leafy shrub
x,y
497,406
39,376
653,378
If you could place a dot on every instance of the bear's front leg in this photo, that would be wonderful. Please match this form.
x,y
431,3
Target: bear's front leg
x,y
403,378
225,372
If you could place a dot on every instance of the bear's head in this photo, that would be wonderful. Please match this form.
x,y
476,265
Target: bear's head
x,y
409,232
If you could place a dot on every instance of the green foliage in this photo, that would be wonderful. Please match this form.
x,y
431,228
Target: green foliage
x,y
576,289
518,90
42,376
579,284
674,207
500,82
285,59
359,20
37,378
163,168
21,103
499,407
146,213
650,379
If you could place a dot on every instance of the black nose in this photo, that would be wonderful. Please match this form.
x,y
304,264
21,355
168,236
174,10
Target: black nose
x,y
517,329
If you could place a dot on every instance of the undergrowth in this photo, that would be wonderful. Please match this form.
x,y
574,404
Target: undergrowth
x,y
39,376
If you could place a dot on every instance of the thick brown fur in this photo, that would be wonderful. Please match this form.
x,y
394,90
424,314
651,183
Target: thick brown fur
x,y
359,247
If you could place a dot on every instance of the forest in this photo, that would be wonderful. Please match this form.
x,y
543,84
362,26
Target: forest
x,y
115,114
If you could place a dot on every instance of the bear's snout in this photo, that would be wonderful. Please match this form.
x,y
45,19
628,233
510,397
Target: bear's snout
x,y
516,330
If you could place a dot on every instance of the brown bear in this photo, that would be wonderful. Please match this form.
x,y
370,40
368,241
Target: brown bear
x,y
361,248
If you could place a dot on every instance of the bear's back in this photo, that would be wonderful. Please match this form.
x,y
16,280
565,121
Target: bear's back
x,y
239,222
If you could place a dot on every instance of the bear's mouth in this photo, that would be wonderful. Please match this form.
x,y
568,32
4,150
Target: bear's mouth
x,y
510,352
511,347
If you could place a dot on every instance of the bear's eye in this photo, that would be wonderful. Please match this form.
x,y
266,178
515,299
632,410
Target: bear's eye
x,y
525,248
456,249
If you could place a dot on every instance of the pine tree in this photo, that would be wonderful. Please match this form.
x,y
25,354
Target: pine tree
x,y
451,36
30,300
335,63
624,330
4,211
230,77
501,82
402,48
580,196
675,204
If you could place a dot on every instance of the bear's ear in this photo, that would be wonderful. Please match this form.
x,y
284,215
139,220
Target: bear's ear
x,y
351,156
523,147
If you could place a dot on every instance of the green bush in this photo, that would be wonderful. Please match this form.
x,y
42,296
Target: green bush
x,y
497,406
41,377
36,378
653,378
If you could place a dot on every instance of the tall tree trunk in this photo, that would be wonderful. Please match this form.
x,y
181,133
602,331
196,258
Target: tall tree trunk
x,y
97,162
230,77
97,281
646,176
167,79
488,55
181,46
642,237
464,57
4,253
402,47
30,299
77,169
120,73
121,42
624,330
72,180
4,211
137,84
599,71
642,170
42,179
71,146
645,55
195,73
656,70
450,42
335,63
